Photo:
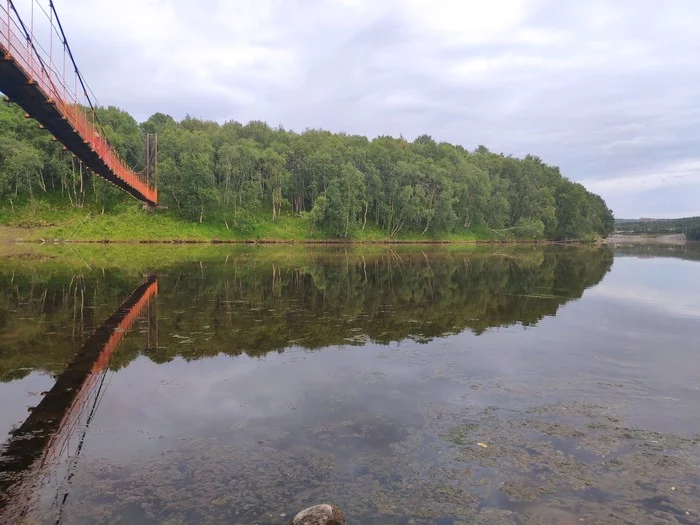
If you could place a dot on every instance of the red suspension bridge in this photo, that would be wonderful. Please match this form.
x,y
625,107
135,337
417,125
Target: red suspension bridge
x,y
39,73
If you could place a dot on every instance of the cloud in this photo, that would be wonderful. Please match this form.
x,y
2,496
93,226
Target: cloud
x,y
682,174
608,91
670,190
641,285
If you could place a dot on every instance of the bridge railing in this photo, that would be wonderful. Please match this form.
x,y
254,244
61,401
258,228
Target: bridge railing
x,y
26,44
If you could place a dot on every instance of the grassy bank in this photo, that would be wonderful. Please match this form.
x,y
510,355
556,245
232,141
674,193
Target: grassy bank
x,y
56,220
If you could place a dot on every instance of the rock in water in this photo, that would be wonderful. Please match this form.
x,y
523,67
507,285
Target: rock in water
x,y
319,515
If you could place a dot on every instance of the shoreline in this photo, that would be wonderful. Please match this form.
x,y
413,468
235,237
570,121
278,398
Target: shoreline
x,y
339,242
678,239
19,235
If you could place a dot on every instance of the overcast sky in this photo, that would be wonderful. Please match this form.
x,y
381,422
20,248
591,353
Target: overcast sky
x,y
608,90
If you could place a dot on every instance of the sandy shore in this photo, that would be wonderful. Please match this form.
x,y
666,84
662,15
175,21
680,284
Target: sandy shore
x,y
647,239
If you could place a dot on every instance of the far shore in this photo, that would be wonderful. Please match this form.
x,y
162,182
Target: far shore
x,y
677,239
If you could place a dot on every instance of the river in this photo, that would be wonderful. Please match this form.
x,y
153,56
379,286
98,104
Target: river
x,y
443,385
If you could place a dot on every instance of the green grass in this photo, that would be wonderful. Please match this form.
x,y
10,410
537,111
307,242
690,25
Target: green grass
x,y
55,219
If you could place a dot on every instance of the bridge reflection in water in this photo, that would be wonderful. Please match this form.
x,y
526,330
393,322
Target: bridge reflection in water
x,y
50,440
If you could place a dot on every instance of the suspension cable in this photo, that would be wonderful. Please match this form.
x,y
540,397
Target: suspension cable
x,y
30,40
77,71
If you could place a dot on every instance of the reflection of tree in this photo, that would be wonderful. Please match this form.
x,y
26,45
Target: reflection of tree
x,y
255,307
689,251
46,316
254,304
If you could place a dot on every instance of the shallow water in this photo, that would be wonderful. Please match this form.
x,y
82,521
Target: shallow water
x,y
406,385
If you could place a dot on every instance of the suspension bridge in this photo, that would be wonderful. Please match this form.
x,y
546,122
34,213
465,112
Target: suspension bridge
x,y
53,434
39,73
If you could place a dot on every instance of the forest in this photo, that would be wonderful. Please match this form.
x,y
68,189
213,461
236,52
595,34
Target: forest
x,y
341,184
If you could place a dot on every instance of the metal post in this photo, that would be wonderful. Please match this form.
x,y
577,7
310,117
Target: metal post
x,y
148,324
148,157
156,316
9,27
30,56
75,93
63,80
155,185
31,36
50,39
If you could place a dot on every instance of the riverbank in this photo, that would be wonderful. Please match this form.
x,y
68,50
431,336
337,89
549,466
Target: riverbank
x,y
55,222
10,235
675,239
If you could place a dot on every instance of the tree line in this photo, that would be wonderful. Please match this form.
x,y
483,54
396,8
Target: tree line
x,y
340,183
690,226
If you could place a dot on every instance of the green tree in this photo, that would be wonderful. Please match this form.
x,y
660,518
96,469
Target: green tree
x,y
345,196
20,169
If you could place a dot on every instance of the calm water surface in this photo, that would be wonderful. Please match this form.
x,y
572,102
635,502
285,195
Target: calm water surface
x,y
444,385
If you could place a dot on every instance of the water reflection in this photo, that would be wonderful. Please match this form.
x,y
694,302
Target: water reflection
x,y
42,441
249,303
689,251
237,439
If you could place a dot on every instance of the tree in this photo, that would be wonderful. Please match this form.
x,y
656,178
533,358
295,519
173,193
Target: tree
x,y
345,200
317,215
530,228
20,169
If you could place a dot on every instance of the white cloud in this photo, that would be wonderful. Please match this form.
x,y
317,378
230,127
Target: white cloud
x,y
681,174
678,297
462,22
